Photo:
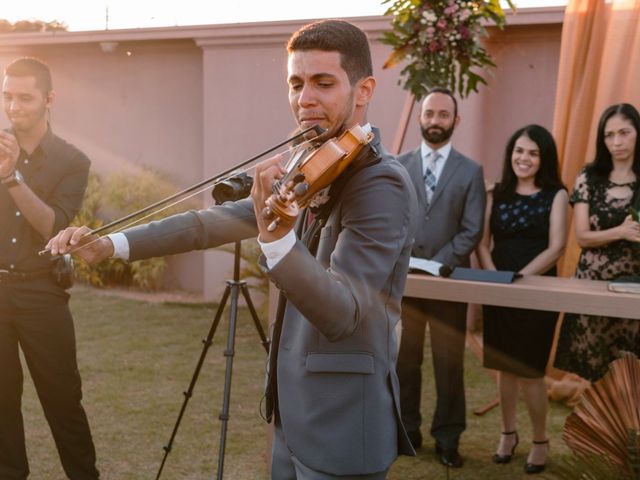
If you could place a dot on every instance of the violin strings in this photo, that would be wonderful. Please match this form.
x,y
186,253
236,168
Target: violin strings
x,y
288,150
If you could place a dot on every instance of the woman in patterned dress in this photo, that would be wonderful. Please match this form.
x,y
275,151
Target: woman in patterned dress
x,y
525,221
610,242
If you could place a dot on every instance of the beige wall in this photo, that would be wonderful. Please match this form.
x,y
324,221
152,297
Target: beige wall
x,y
193,101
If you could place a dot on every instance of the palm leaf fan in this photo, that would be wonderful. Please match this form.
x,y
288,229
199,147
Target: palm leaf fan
x,y
606,422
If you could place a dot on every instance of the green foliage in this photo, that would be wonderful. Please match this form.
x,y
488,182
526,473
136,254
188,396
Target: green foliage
x,y
31,26
109,199
441,39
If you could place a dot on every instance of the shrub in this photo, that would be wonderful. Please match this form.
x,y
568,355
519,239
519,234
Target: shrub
x,y
113,197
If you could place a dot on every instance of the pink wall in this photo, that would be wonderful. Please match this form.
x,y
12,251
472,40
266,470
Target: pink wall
x,y
193,101
520,91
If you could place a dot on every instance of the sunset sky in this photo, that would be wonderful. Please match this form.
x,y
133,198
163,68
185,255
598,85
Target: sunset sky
x,y
92,14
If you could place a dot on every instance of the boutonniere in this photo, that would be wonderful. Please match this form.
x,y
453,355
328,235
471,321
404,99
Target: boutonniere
x,y
319,199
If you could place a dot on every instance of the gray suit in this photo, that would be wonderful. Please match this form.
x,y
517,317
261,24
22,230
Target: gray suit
x,y
450,229
337,388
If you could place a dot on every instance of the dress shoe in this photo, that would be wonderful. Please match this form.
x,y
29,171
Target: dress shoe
x,y
532,468
415,437
497,458
449,457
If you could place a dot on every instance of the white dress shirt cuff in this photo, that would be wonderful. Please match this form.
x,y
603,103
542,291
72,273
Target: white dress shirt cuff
x,y
120,245
275,251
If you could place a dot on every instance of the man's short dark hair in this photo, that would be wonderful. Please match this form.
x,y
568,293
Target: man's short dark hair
x,y
31,67
446,91
336,36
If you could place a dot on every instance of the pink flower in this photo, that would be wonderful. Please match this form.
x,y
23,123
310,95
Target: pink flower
x,y
451,9
441,24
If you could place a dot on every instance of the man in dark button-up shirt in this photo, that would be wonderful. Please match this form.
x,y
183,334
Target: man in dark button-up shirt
x,y
42,182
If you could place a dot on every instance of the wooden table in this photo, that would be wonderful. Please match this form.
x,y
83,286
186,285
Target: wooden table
x,y
531,291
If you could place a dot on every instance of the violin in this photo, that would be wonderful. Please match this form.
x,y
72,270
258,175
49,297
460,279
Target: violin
x,y
310,171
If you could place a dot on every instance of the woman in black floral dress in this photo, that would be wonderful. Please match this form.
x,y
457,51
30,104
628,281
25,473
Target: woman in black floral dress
x,y
525,221
610,241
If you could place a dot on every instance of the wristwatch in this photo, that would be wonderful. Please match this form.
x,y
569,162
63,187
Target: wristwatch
x,y
13,180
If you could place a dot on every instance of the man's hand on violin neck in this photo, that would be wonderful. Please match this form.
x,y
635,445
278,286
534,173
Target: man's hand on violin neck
x,y
267,173
78,240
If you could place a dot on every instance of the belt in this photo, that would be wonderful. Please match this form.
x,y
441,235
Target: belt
x,y
10,276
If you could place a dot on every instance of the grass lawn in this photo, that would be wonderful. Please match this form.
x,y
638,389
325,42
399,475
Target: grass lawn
x,y
136,360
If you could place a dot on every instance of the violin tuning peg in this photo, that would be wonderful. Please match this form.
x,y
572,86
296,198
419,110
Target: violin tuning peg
x,y
266,213
273,225
299,178
301,189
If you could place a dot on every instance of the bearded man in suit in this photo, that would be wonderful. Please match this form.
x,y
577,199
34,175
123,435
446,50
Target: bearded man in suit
x,y
451,198
333,390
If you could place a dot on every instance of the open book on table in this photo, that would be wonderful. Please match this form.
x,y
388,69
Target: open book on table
x,y
422,265
437,269
627,284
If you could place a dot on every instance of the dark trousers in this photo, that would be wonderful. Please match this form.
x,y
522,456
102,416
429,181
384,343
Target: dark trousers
x,y
447,328
39,322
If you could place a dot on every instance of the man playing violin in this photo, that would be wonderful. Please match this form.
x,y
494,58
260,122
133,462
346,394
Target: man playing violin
x,y
332,387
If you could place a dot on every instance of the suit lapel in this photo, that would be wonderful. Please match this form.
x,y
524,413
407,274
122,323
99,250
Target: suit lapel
x,y
449,169
417,177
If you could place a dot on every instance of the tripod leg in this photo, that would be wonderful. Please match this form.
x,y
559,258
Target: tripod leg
x,y
254,315
229,353
187,395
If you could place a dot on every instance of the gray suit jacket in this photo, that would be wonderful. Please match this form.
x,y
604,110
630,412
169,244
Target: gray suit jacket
x,y
337,386
451,225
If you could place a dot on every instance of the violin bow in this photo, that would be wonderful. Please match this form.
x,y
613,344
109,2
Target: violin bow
x,y
152,208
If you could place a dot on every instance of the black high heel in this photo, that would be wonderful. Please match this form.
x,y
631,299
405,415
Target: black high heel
x,y
497,458
532,468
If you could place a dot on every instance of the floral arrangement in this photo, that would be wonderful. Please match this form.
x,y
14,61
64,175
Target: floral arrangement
x,y
441,39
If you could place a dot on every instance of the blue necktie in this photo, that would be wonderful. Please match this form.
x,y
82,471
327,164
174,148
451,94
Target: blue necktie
x,y
430,180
